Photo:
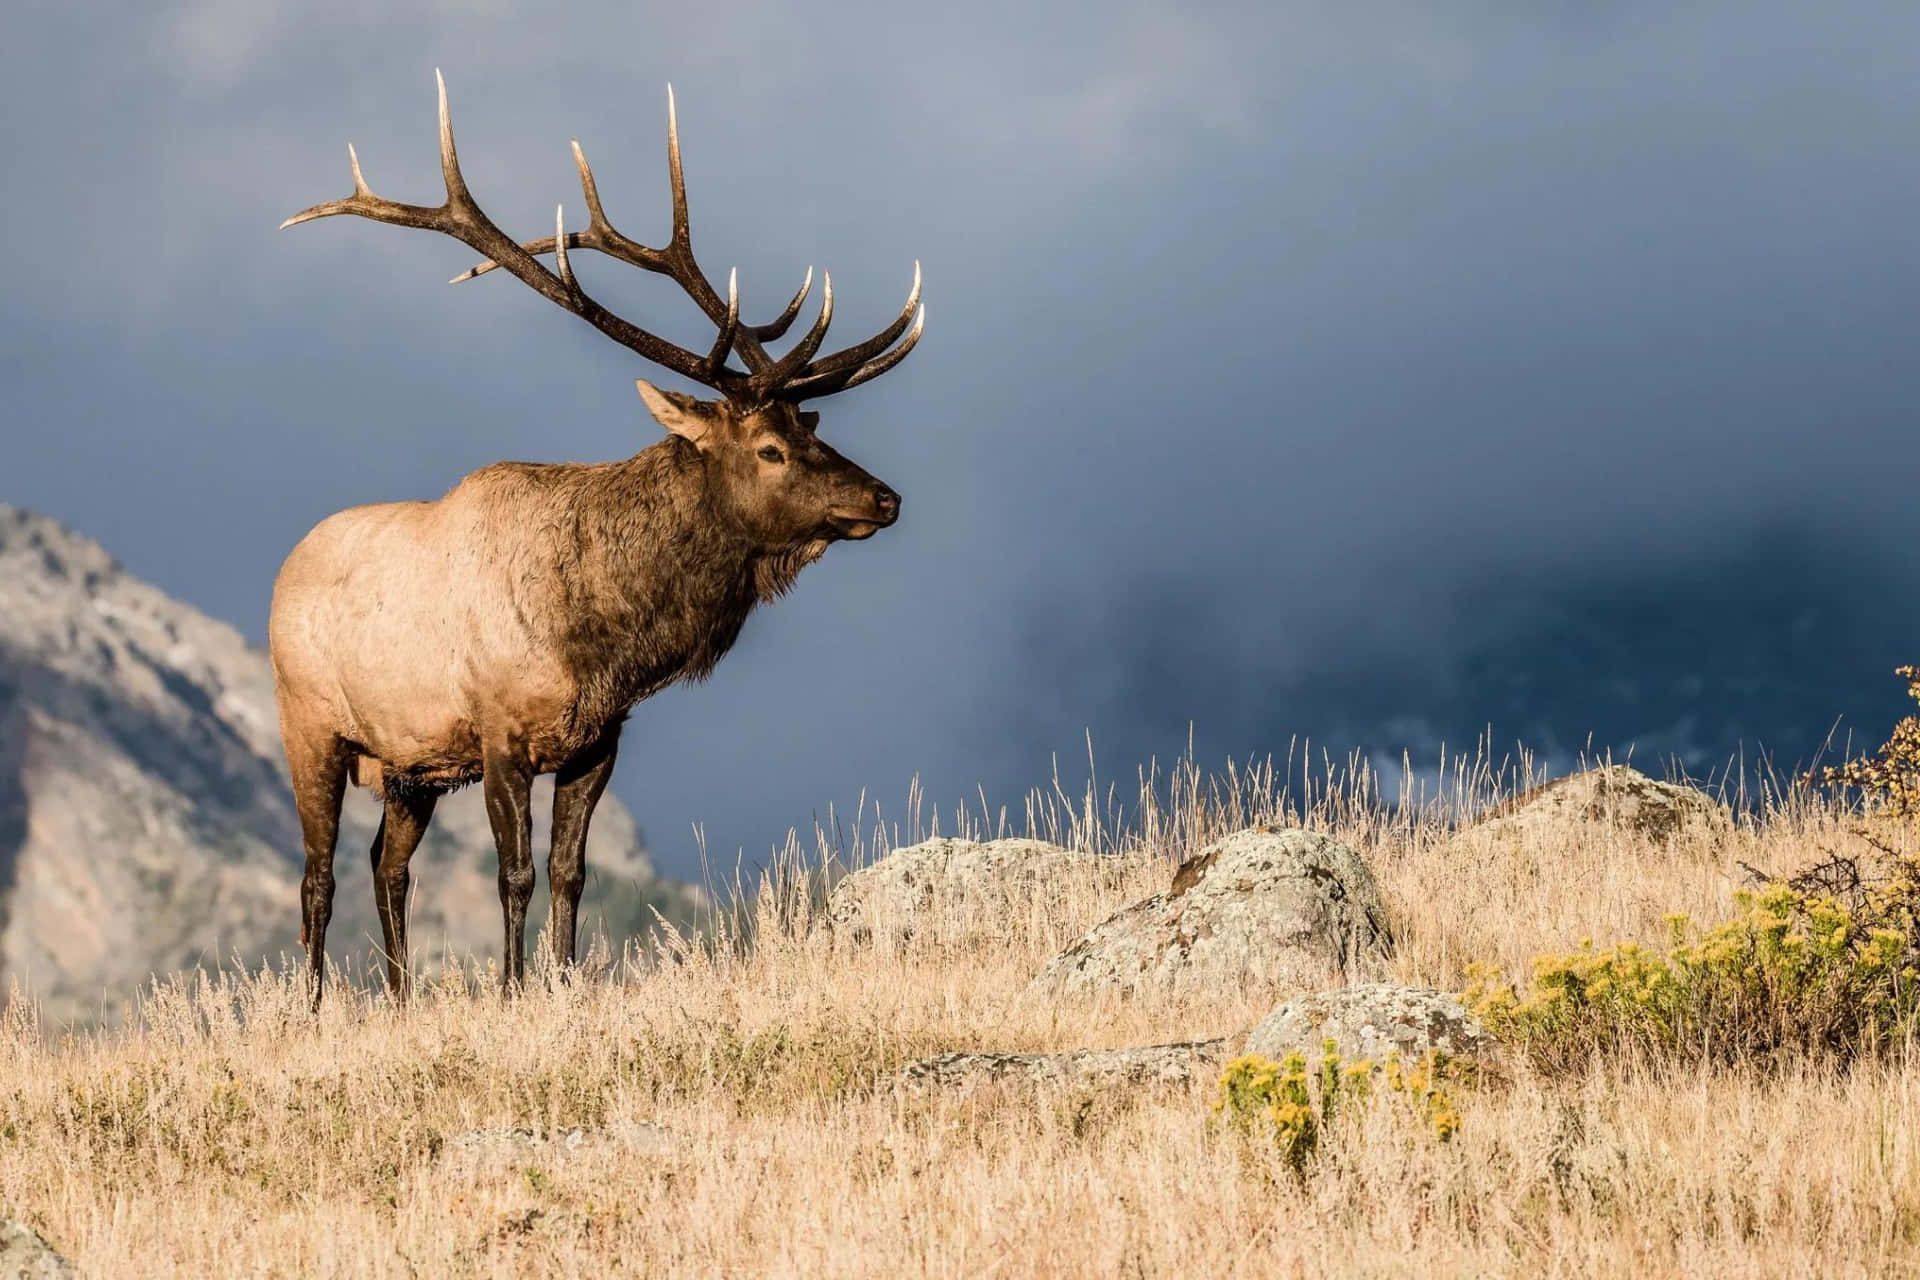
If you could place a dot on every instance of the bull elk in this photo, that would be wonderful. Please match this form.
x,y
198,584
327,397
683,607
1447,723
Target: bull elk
x,y
506,629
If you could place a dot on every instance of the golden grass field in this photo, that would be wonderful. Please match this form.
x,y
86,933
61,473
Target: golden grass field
x,y
741,1114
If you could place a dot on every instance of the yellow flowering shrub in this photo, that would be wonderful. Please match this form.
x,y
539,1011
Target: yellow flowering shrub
x,y
1886,884
1297,1108
1790,973
1891,778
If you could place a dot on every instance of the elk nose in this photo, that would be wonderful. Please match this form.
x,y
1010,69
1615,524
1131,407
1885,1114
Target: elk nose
x,y
887,503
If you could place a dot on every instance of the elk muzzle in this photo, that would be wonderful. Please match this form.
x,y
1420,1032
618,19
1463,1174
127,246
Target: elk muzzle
x,y
883,510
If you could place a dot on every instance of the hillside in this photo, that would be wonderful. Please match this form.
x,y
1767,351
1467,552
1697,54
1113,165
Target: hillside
x,y
821,1101
145,822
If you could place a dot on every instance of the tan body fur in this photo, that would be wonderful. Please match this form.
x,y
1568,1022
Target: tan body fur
x,y
413,630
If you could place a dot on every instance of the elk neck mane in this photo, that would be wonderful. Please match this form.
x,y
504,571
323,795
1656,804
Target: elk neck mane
x,y
654,581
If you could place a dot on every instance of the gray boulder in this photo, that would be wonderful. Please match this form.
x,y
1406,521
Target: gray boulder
x,y
1615,796
25,1256
955,889
1264,908
1159,1064
1371,1020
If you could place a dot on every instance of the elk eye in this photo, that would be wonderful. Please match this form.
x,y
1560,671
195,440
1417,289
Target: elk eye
x,y
772,454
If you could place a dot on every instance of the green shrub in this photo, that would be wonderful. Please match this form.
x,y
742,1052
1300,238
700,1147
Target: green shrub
x,y
1791,973
1297,1108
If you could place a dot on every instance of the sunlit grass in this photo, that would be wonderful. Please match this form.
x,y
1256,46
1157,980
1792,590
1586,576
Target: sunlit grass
x,y
225,1131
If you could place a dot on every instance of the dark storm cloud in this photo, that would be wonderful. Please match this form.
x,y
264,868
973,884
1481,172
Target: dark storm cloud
x,y
1763,649
1352,370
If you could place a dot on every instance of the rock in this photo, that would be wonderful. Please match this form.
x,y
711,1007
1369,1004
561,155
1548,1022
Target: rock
x,y
1287,909
1371,1020
1160,1064
25,1256
1614,795
955,889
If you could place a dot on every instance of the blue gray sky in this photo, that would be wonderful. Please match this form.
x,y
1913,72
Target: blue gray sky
x,y
1371,372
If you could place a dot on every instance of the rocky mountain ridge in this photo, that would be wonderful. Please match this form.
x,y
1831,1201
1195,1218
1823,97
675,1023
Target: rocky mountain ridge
x,y
145,821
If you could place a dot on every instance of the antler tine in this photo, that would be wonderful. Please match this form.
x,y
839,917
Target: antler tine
x,y
560,249
330,207
723,345
860,353
678,261
825,384
677,180
457,192
596,216
777,327
875,367
769,380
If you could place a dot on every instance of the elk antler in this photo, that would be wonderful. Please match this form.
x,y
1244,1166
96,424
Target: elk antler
x,y
794,376
461,217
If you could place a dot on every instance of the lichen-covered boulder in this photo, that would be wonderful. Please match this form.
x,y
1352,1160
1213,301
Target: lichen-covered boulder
x,y
1371,1020
1159,1064
952,890
1615,796
1286,910
25,1256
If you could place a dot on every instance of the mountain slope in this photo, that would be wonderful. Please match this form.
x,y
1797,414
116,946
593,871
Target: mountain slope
x,y
145,821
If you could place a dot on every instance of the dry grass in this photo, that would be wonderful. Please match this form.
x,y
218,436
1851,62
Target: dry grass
x,y
228,1133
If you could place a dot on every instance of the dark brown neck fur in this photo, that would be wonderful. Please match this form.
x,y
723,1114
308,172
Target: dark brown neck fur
x,y
660,580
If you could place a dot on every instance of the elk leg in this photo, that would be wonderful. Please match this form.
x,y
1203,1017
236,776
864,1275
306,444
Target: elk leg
x,y
576,790
319,780
401,827
507,780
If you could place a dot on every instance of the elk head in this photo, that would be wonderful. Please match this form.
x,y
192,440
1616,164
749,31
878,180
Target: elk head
x,y
769,472
771,475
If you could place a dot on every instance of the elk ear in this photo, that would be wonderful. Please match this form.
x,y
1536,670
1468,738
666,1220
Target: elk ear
x,y
681,414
